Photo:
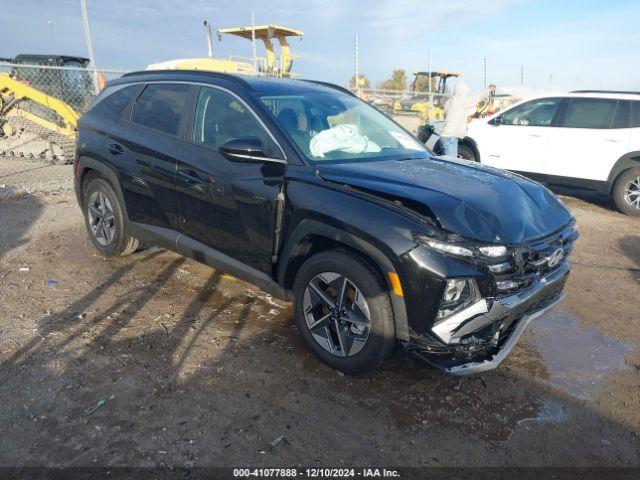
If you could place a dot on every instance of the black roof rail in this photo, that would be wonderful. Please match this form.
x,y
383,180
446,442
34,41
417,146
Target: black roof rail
x,y
607,91
329,84
203,73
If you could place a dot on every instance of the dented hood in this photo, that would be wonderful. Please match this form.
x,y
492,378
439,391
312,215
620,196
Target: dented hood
x,y
472,200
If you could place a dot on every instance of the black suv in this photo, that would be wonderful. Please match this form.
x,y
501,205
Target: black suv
x,y
316,197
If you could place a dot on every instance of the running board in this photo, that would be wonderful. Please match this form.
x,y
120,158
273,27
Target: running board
x,y
202,253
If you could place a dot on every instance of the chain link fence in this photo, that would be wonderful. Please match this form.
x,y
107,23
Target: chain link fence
x,y
75,86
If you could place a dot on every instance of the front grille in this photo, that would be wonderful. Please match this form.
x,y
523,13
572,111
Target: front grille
x,y
533,261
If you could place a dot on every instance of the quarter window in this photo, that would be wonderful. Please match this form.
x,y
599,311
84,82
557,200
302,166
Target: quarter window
x,y
635,114
160,107
621,117
588,113
220,116
536,113
114,105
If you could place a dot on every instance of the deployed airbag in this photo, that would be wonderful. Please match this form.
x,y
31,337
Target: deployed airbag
x,y
344,138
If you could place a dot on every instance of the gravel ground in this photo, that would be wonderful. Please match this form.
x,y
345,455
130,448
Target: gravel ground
x,y
156,360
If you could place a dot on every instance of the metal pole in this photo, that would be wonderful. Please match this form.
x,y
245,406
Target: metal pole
x,y
207,31
53,36
356,61
253,41
87,36
484,71
429,75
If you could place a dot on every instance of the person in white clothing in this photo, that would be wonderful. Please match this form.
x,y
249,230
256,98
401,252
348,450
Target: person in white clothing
x,y
457,111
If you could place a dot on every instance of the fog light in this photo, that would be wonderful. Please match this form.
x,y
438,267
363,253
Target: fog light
x,y
458,293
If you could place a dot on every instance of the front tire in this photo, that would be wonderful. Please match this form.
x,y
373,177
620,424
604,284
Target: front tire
x,y
104,220
626,192
343,311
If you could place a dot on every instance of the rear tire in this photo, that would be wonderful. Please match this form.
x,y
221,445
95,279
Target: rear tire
x,y
626,192
355,334
466,152
104,220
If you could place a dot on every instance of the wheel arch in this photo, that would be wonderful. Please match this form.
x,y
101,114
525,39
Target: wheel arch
x,y
471,143
624,163
89,165
310,237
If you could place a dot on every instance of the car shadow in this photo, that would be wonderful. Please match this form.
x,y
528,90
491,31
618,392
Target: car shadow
x,y
630,246
220,376
14,229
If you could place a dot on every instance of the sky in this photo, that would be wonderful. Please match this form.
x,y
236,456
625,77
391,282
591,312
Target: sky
x,y
561,45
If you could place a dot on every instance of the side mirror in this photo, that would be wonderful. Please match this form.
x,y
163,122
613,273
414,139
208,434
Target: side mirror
x,y
246,150
496,121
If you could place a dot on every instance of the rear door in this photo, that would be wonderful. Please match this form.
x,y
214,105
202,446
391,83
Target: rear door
x,y
152,140
228,206
592,134
517,139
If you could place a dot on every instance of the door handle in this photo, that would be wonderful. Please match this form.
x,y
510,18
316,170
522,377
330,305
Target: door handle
x,y
535,135
611,140
115,149
192,177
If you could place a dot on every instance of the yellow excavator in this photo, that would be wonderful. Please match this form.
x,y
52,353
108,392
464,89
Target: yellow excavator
x,y
270,64
419,102
40,107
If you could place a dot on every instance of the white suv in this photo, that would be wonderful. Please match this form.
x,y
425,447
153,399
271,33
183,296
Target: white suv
x,y
585,140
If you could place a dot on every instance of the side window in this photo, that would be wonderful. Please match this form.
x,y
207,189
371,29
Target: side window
x,y
114,105
536,113
635,114
160,107
588,113
621,117
220,116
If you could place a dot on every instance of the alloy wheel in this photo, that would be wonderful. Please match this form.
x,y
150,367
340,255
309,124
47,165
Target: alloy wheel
x,y
337,314
632,193
101,219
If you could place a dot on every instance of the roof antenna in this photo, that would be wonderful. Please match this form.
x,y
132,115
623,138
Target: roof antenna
x,y
207,29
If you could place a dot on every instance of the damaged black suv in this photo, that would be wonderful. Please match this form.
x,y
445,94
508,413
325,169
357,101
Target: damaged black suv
x,y
305,191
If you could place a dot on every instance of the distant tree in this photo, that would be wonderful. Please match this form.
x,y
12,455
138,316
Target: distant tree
x,y
364,82
398,81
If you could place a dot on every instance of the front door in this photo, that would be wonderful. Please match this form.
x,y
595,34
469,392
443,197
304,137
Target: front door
x,y
227,205
518,139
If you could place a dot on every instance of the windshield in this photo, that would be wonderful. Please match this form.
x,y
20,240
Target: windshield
x,y
333,126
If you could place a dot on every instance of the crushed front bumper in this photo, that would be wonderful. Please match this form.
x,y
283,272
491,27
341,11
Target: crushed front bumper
x,y
502,324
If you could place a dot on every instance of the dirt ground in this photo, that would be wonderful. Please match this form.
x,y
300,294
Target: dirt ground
x,y
156,360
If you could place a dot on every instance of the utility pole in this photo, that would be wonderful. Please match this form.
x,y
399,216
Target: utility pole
x,y
484,71
253,42
429,80
356,59
207,31
522,75
87,36
53,37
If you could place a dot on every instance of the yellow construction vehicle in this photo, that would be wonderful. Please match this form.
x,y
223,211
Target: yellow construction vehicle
x,y
262,65
418,100
40,101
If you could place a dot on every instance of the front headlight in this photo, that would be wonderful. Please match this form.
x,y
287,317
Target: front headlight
x,y
449,248
458,294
